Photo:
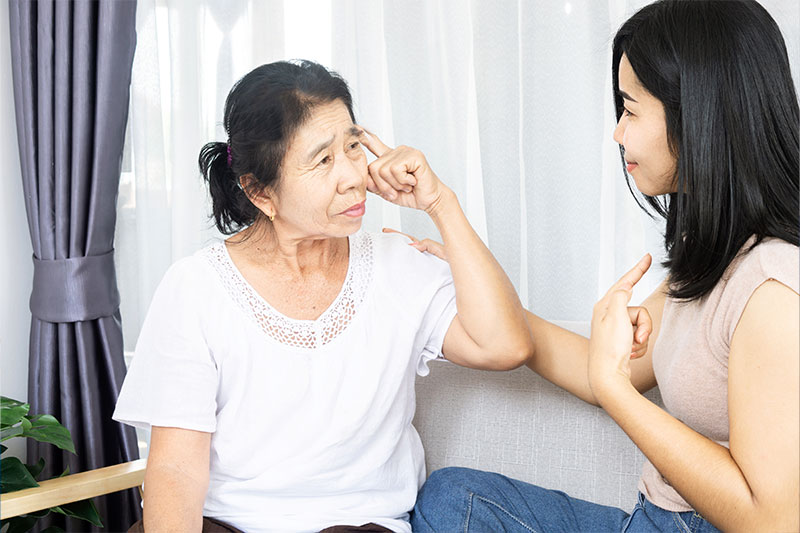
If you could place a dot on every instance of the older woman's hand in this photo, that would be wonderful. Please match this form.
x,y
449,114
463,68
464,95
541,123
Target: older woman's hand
x,y
402,175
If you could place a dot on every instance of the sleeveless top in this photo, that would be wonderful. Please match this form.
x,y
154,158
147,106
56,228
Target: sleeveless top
x,y
690,357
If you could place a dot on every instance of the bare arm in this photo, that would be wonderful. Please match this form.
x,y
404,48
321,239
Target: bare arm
x,y
490,330
753,486
176,479
562,357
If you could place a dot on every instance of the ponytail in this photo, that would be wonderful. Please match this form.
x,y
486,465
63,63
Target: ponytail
x,y
231,208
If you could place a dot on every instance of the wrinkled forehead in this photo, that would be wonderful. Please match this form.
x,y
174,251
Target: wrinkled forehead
x,y
325,124
329,117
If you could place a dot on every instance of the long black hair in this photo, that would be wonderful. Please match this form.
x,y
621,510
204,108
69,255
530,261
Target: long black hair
x,y
721,71
262,112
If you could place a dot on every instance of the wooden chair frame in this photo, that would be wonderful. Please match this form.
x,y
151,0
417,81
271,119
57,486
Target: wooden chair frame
x,y
73,488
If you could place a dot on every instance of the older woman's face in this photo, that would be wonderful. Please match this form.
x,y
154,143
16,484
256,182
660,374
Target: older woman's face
x,y
323,183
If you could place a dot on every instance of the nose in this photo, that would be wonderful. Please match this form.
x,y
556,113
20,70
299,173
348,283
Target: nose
x,y
352,174
619,131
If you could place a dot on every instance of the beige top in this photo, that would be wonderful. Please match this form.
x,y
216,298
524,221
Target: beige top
x,y
690,357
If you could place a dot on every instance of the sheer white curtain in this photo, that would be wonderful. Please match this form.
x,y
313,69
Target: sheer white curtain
x,y
510,101
188,54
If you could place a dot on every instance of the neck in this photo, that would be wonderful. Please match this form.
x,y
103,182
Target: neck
x,y
298,255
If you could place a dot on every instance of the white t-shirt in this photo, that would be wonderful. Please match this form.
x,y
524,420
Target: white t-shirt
x,y
311,420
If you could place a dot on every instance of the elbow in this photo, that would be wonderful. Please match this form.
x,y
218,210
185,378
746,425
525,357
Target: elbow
x,y
772,519
516,353
767,523
772,515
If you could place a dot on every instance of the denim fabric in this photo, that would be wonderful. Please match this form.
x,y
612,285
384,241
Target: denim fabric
x,y
460,499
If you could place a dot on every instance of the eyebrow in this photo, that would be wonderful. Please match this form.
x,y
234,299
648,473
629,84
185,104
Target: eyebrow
x,y
320,147
626,96
354,131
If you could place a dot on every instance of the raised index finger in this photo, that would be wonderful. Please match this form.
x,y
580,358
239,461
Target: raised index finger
x,y
632,276
390,230
373,143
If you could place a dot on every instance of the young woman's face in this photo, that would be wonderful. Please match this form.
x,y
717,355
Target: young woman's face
x,y
323,183
642,131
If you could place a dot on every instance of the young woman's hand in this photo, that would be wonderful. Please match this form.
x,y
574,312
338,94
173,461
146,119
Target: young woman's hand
x,y
619,333
402,175
425,245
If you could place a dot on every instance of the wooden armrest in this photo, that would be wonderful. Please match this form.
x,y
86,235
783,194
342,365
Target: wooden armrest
x,y
73,488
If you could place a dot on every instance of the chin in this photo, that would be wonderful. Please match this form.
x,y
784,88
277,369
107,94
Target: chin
x,y
647,188
665,184
354,229
348,228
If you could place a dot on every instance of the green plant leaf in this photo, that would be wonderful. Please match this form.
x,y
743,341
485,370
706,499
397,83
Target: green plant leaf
x,y
15,476
36,469
6,402
45,428
12,415
65,472
7,433
84,510
19,524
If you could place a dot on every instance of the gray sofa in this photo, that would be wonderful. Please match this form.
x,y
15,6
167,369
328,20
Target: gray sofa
x,y
522,426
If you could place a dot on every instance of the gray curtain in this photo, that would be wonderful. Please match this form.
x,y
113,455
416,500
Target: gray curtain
x,y
71,64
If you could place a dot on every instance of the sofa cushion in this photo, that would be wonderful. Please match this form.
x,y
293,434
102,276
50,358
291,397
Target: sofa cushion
x,y
520,425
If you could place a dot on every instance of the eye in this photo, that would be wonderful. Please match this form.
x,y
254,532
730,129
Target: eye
x,y
353,145
325,160
627,112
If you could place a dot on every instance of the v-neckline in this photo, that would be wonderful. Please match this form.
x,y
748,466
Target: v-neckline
x,y
247,286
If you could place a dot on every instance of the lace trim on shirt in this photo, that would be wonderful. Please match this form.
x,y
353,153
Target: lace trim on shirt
x,y
300,333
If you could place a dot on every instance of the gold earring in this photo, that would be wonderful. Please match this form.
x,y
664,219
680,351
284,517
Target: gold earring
x,y
272,218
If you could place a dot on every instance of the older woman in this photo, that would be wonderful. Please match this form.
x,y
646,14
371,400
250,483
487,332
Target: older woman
x,y
276,369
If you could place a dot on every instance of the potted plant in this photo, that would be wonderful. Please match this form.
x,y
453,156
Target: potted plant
x,y
16,422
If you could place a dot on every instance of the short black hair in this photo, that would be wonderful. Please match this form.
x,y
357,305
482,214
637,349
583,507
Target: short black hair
x,y
722,73
263,111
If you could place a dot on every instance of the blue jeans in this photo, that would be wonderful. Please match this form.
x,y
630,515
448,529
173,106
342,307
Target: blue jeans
x,y
461,499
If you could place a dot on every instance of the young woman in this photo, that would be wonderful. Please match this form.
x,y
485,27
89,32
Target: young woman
x,y
708,130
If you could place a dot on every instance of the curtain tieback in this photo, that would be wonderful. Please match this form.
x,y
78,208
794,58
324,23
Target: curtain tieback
x,y
74,290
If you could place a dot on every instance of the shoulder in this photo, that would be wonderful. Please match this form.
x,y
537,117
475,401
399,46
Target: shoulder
x,y
770,259
403,273
770,265
392,251
395,244
192,267
184,304
188,278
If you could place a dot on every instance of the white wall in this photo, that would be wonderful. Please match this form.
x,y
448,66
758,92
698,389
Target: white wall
x,y
16,265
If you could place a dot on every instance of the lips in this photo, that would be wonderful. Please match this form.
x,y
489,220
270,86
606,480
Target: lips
x,y
630,165
356,210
